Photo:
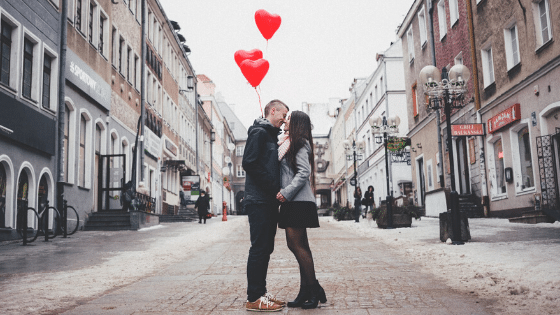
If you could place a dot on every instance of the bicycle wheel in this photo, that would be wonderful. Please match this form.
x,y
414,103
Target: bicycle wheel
x,y
72,221
32,221
53,227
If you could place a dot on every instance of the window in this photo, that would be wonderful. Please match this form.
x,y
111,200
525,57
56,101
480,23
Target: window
x,y
459,59
90,23
422,27
525,161
410,40
240,171
47,81
453,11
82,173
136,73
121,46
66,141
115,46
499,167
239,150
442,19
27,68
487,66
511,46
128,64
541,12
6,51
414,101
78,18
103,34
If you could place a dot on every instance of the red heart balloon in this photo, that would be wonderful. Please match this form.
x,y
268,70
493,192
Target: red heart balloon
x,y
254,71
242,55
267,23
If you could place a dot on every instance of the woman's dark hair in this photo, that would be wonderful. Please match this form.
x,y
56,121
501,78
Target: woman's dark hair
x,y
300,130
371,188
358,192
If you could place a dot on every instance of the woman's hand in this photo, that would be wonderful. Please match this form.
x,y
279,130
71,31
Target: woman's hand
x,y
280,197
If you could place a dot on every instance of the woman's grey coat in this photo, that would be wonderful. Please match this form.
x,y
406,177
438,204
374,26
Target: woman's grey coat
x,y
296,186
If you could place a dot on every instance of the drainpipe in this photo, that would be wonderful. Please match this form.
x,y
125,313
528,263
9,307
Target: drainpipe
x,y
143,89
61,104
438,115
196,124
389,169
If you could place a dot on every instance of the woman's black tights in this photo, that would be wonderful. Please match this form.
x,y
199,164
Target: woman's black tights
x,y
299,245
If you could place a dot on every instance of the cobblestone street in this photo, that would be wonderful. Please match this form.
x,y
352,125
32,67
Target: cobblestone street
x,y
360,276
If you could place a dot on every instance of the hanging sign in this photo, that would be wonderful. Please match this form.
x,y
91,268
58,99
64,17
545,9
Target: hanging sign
x,y
467,130
504,118
397,144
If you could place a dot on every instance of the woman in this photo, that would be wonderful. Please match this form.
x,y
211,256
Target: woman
x,y
368,197
298,210
202,204
357,203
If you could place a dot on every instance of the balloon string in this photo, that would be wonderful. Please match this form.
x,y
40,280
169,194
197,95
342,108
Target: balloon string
x,y
260,105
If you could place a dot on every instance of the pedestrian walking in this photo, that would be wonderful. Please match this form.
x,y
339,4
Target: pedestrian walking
x,y
368,201
262,183
357,203
202,204
298,210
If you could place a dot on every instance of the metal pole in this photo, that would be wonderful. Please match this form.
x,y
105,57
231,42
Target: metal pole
x,y
454,196
356,206
142,90
61,102
46,221
389,200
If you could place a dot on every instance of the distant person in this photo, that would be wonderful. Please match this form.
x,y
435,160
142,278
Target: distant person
x,y
202,204
262,183
299,210
357,203
369,201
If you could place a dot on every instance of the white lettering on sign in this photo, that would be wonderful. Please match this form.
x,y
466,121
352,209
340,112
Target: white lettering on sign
x,y
83,76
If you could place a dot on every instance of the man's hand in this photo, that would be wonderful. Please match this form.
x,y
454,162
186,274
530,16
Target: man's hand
x,y
280,197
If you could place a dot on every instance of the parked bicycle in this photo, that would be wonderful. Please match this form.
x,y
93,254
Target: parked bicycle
x,y
27,221
48,222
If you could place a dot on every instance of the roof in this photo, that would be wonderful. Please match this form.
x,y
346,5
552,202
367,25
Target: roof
x,y
236,126
203,78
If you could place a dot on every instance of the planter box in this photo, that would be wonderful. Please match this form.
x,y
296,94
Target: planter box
x,y
399,220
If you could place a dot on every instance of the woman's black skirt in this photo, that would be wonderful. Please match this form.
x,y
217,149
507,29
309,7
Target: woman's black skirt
x,y
298,214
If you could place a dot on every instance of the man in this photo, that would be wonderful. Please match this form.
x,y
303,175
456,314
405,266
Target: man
x,y
262,183
202,204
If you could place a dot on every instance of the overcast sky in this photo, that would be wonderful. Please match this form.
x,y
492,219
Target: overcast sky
x,y
319,48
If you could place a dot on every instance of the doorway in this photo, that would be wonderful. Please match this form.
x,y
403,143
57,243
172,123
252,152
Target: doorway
x,y
421,181
463,166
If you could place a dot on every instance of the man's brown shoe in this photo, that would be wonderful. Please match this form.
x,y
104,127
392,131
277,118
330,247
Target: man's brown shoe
x,y
263,304
272,298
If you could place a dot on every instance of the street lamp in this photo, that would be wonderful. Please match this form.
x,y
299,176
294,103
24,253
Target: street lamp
x,y
447,90
355,151
383,128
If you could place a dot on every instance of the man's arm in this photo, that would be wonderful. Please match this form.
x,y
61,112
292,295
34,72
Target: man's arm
x,y
256,143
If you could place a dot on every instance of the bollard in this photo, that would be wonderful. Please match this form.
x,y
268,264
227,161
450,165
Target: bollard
x,y
224,216
46,221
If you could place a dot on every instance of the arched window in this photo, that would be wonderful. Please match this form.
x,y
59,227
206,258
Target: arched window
x,y
82,167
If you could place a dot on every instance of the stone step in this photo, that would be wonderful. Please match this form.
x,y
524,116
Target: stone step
x,y
532,219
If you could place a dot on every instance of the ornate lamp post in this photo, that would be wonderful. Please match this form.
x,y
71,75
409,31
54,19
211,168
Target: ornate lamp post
x,y
383,128
354,151
447,90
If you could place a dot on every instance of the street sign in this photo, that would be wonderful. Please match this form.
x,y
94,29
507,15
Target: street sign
x,y
353,181
349,158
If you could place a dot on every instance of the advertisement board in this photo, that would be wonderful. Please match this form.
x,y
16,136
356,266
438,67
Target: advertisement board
x,y
191,188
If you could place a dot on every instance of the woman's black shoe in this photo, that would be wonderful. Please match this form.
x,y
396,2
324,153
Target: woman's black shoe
x,y
303,295
317,295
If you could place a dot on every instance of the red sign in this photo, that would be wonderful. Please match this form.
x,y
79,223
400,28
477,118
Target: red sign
x,y
504,118
467,130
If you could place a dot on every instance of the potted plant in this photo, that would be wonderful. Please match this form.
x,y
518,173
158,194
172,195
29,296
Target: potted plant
x,y
344,213
402,216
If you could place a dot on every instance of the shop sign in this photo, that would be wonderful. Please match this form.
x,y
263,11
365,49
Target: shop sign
x,y
171,147
467,130
152,144
191,188
87,80
504,118
397,144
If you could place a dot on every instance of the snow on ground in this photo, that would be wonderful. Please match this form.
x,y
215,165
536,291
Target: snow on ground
x,y
45,293
518,265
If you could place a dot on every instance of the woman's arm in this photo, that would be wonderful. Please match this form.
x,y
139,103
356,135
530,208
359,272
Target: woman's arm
x,y
303,170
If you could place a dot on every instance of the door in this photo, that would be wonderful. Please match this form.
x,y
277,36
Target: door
x,y
463,166
96,166
112,172
422,181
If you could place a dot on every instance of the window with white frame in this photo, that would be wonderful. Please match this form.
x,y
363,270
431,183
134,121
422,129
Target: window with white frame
x,y
79,15
121,56
240,150
459,59
91,22
442,19
136,72
453,11
541,14
499,169
83,143
511,46
129,64
103,40
240,171
422,26
66,142
31,67
524,162
115,53
410,40
487,66
9,43
49,93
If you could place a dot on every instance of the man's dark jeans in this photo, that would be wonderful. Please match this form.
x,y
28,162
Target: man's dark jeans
x,y
263,220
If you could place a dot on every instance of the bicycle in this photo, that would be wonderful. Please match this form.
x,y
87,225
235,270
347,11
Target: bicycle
x,y
30,219
72,220
50,228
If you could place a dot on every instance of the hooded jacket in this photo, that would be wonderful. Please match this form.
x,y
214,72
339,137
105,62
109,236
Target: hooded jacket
x,y
260,162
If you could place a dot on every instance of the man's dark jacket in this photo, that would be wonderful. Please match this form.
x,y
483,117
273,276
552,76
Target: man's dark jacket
x,y
202,204
260,162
